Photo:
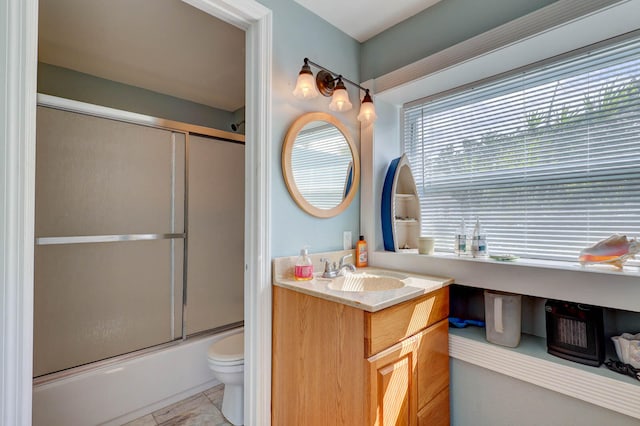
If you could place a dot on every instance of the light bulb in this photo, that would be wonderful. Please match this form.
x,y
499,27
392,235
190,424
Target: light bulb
x,y
340,99
306,84
367,113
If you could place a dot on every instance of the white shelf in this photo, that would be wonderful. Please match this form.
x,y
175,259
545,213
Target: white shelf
x,y
406,196
406,221
569,281
531,363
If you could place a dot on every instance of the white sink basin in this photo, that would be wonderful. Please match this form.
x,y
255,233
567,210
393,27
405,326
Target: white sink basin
x,y
368,281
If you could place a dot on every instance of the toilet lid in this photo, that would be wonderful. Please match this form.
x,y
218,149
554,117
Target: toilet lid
x,y
228,349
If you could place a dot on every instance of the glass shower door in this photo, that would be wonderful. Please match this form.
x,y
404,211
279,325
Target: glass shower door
x,y
109,238
215,265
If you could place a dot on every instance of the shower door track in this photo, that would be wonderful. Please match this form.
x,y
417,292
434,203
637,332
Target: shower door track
x,y
135,118
114,361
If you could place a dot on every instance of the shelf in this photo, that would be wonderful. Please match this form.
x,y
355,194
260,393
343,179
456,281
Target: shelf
x,y
406,196
531,363
406,221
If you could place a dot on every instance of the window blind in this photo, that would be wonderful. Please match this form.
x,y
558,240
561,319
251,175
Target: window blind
x,y
548,159
321,160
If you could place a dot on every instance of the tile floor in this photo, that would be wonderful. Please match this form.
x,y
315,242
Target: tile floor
x,y
199,410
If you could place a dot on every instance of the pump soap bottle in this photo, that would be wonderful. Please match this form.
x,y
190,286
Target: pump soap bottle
x,y
362,258
304,266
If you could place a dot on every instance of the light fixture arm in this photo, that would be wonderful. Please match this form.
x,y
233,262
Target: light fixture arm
x,y
331,84
335,76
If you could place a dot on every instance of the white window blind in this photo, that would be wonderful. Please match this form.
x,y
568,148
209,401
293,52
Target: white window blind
x,y
548,158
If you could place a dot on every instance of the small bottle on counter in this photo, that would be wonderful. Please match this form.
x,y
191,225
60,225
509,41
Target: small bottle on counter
x,y
460,247
478,241
362,257
303,270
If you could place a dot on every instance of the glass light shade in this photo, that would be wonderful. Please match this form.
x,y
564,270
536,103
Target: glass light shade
x,y
340,100
367,113
305,86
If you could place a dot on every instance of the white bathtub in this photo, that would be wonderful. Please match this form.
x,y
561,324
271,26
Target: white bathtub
x,y
121,392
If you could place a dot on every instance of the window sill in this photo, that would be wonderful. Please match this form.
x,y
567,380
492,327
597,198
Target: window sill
x,y
595,284
629,269
531,363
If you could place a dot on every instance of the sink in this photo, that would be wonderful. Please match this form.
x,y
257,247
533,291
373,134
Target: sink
x,y
368,281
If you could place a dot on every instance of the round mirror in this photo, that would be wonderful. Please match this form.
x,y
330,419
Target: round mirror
x,y
320,164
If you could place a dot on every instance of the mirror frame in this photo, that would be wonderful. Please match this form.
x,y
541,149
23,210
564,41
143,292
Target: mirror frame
x,y
287,171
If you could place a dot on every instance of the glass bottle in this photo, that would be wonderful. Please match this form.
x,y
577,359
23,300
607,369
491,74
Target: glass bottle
x,y
478,241
460,247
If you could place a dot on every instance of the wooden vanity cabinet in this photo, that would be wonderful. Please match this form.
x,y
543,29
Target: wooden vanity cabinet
x,y
338,365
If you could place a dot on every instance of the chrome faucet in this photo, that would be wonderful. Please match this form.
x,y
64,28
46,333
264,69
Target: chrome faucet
x,y
331,270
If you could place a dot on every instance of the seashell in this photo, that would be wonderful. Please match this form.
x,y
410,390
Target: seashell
x,y
615,250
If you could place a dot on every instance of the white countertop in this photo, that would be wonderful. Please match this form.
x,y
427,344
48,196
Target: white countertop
x,y
371,301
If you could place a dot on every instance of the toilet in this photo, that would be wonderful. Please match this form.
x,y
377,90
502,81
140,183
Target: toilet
x,y
226,359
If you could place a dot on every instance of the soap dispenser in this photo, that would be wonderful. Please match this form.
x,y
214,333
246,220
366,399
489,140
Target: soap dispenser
x,y
304,266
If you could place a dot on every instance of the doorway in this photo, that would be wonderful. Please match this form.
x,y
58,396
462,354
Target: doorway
x,y
139,225
18,188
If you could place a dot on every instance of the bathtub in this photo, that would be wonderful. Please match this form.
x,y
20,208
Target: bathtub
x,y
119,392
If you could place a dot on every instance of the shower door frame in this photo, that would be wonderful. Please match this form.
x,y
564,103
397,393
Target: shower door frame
x,y
17,152
175,127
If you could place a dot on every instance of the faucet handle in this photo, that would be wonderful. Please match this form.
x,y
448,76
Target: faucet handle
x,y
327,264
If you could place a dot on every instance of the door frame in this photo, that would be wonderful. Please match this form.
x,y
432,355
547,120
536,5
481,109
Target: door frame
x,y
19,64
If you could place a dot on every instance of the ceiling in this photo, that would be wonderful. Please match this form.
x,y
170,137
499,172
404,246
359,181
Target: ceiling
x,y
363,19
152,44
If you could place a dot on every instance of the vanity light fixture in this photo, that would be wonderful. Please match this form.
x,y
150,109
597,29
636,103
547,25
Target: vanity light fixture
x,y
329,83
367,110
340,99
306,84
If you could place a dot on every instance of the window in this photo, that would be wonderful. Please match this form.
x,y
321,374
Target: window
x,y
548,158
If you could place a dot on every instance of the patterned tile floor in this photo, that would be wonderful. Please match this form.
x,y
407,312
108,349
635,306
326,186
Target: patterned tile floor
x,y
199,410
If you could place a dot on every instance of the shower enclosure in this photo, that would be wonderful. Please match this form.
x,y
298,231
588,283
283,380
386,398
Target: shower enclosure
x,y
139,233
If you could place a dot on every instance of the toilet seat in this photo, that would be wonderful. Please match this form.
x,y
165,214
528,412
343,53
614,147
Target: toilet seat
x,y
228,351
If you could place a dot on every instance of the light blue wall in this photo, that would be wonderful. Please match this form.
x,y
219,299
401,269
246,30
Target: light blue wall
x,y
481,397
447,23
297,33
66,83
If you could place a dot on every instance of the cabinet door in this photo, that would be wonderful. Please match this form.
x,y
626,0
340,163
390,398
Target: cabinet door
x,y
433,362
393,385
436,412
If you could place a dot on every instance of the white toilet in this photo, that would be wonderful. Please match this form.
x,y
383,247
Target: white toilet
x,y
226,359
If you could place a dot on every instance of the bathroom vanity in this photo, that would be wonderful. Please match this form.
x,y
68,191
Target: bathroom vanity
x,y
360,357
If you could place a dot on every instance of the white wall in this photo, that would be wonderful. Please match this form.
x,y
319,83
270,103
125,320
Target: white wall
x,y
16,208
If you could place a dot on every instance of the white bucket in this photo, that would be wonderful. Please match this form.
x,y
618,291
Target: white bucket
x,y
503,317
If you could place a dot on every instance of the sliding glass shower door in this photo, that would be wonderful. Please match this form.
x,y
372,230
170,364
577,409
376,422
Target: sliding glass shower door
x,y
109,254
215,265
